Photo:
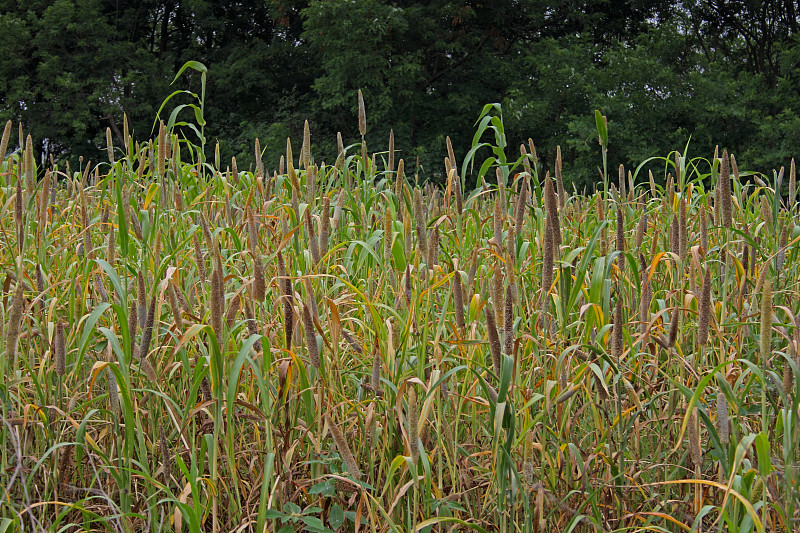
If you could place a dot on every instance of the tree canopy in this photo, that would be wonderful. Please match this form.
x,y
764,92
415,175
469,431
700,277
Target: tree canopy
x,y
718,72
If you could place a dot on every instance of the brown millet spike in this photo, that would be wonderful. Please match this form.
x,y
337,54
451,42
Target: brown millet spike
x,y
494,339
147,331
508,323
458,300
725,190
4,141
343,448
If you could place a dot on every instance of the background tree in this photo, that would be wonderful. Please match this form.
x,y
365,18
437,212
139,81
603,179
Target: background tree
x,y
718,72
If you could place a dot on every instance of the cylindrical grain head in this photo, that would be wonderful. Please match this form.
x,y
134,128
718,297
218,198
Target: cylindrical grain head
x,y
313,243
458,300
344,449
693,435
388,233
337,210
522,201
508,322
147,330
497,222
109,146
725,190
722,418
4,141
306,151
617,339
362,115
494,339
324,226
311,337
413,424
551,206
30,167
419,218
217,303
683,233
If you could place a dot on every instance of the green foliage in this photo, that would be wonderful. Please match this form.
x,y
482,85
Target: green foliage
x,y
662,72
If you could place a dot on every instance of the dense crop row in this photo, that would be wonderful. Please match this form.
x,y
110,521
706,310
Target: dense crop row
x,y
188,346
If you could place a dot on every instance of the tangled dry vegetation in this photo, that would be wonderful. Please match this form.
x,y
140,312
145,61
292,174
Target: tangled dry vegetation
x,y
191,347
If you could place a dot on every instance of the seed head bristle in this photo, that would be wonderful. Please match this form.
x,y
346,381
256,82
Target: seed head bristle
x,y
693,434
501,188
147,330
551,207
722,418
387,236
725,190
217,301
233,309
413,424
324,226
522,200
362,115
343,448
311,337
305,153
458,300
30,167
675,235
674,325
419,218
109,146
313,243
494,339
617,339
4,141
508,322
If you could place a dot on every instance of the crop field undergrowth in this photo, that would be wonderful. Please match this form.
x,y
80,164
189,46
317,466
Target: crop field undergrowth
x,y
188,346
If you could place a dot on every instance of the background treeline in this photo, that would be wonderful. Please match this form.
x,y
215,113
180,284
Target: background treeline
x,y
721,72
